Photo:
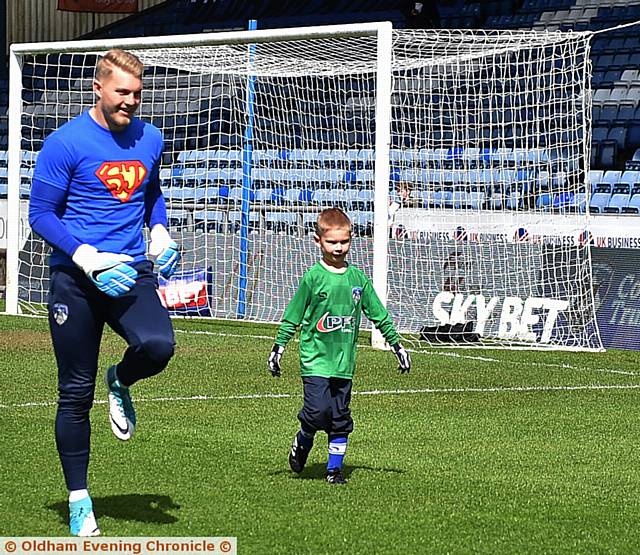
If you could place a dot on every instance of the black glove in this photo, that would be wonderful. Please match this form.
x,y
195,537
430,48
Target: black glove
x,y
404,360
274,361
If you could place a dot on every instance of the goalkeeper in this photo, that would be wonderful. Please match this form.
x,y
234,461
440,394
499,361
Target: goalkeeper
x,y
95,185
328,306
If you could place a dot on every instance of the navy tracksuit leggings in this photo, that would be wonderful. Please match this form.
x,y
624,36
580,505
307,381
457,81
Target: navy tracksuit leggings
x,y
78,312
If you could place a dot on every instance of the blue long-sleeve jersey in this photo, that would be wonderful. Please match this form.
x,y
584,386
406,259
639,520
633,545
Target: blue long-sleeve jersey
x,y
91,185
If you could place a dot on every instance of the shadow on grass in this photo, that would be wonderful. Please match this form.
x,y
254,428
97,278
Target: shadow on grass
x,y
145,507
317,471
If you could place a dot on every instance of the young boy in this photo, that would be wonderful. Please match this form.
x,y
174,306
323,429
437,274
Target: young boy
x,y
328,306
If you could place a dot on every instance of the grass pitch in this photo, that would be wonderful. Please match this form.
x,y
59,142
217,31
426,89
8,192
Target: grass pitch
x,y
473,452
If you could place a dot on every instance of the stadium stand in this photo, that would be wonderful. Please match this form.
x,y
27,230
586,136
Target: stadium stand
x,y
459,178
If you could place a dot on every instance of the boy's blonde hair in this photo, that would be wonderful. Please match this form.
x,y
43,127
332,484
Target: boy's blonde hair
x,y
332,218
116,57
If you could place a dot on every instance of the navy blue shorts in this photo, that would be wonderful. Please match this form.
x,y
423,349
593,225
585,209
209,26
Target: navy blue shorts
x,y
326,405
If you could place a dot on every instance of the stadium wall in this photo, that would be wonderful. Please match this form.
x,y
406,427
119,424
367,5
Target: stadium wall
x,y
40,20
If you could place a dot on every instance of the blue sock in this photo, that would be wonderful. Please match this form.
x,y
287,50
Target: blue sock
x,y
337,449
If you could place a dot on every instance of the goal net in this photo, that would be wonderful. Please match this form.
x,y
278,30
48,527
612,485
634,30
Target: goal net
x,y
460,156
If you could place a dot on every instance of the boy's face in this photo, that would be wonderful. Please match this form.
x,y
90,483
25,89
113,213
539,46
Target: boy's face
x,y
334,244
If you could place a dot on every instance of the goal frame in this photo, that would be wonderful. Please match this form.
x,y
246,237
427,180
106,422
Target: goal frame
x,y
384,52
385,65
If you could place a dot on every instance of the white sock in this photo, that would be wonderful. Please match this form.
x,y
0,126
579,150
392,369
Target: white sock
x,y
77,494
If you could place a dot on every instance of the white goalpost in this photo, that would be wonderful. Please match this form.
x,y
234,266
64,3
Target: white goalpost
x,y
461,157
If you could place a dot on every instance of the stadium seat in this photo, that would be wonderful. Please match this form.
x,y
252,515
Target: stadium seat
x,y
477,196
309,222
611,177
460,197
579,202
630,177
3,183
306,196
619,135
424,198
365,199
633,207
209,221
281,222
595,177
600,199
263,196
543,202
292,196
362,223
177,218
563,202
443,197
633,133
235,221
608,154
514,198
278,195
619,199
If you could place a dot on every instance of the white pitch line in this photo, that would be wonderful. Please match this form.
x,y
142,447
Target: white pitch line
x,y
443,390
438,353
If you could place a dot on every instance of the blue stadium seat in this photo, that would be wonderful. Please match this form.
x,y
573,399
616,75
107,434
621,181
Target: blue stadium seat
x,y
281,222
630,177
595,177
580,202
633,133
235,221
292,195
424,198
563,202
514,198
619,135
608,154
4,187
477,196
633,207
263,195
306,196
600,199
362,222
177,218
209,221
611,177
543,202
443,197
619,199
460,197
365,199
326,198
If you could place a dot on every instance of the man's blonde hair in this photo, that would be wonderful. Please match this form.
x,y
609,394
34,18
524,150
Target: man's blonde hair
x,y
122,59
332,218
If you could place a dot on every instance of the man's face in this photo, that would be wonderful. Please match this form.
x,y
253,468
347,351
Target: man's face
x,y
118,99
334,244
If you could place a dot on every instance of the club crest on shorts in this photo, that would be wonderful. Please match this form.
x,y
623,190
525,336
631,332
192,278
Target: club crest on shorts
x,y
60,313
356,293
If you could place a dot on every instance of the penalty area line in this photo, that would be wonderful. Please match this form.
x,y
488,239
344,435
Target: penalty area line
x,y
429,390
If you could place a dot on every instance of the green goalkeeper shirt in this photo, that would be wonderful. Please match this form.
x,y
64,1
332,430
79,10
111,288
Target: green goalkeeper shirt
x,y
328,308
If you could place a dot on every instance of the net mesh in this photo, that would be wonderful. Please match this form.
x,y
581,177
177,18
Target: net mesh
x,y
488,169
